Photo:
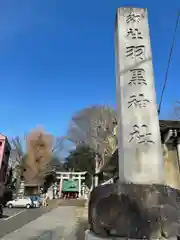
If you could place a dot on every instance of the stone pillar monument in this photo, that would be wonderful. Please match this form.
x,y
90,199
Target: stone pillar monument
x,y
178,149
139,205
140,152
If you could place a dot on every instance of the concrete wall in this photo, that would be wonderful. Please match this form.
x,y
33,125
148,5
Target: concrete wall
x,y
172,170
171,164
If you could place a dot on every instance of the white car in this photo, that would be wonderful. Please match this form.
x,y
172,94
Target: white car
x,y
20,202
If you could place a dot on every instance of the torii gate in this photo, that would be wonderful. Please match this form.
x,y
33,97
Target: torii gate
x,y
67,175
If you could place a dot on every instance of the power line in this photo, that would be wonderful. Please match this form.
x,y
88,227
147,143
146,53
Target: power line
x,y
169,60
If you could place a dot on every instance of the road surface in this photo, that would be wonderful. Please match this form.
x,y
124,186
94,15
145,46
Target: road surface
x,y
16,217
60,223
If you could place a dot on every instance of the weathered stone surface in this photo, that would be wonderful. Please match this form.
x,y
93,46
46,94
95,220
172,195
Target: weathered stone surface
x,y
134,211
91,236
139,143
169,221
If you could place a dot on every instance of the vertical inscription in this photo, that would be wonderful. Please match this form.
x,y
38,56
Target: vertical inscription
x,y
133,18
137,77
138,101
134,33
139,134
136,52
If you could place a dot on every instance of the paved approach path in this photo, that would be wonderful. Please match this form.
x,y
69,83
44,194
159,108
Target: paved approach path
x,y
16,218
60,223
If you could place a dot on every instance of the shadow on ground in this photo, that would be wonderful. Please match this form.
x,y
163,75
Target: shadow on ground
x,y
4,216
81,228
72,202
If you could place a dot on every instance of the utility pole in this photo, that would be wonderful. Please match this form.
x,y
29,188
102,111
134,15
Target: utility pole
x,y
169,60
97,157
96,169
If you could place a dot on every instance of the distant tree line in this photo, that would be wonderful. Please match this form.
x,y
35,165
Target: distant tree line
x,y
92,133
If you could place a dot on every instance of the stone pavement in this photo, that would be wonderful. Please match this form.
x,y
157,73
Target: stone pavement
x,y
82,224
60,223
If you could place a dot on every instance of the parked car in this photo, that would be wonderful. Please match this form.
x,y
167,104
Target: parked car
x,y
20,202
36,200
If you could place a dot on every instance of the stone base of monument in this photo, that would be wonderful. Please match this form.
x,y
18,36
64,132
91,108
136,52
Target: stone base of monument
x,y
134,211
91,236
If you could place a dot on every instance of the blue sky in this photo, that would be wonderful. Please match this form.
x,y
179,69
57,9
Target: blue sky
x,y
57,57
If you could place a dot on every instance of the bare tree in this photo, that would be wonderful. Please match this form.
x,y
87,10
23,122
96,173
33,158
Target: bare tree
x,y
18,155
17,144
58,144
94,126
17,159
177,110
